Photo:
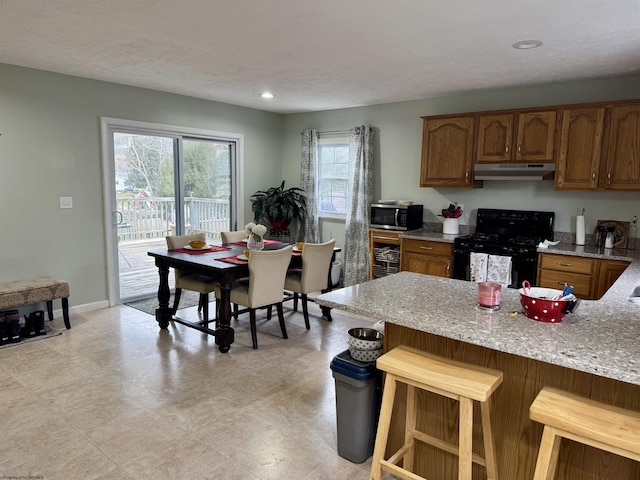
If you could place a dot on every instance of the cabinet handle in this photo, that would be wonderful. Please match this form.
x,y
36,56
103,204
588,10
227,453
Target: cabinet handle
x,y
448,268
426,248
593,176
466,176
565,264
609,176
561,283
519,148
506,149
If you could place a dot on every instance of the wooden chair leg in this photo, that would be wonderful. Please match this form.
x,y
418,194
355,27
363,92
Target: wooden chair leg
x,y
305,311
410,427
204,298
295,301
489,443
254,333
176,300
205,310
388,395
465,462
547,462
283,327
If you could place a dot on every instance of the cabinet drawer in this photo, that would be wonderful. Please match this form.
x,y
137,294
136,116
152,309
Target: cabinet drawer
x,y
565,263
556,279
384,236
427,247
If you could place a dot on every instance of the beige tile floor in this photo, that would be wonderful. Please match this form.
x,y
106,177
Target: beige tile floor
x,y
116,398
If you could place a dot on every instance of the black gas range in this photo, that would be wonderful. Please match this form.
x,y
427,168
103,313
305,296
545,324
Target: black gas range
x,y
512,233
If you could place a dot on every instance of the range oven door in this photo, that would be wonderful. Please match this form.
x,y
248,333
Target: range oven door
x,y
523,267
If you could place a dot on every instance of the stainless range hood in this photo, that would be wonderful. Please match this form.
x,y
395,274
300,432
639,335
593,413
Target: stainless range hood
x,y
514,171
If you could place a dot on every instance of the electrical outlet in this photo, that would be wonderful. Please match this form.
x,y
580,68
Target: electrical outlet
x,y
66,202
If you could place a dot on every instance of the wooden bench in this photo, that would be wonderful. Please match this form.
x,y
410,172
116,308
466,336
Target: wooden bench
x,y
570,416
35,290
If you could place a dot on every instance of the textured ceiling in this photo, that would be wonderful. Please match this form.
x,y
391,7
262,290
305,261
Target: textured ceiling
x,y
322,54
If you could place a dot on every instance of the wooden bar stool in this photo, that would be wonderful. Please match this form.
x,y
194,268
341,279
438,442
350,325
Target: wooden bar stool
x,y
599,425
449,378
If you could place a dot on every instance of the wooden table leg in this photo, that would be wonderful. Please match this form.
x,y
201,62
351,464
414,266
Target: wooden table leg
x,y
163,312
224,332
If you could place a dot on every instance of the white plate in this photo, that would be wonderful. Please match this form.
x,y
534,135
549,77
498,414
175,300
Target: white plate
x,y
189,247
296,249
242,257
388,202
244,240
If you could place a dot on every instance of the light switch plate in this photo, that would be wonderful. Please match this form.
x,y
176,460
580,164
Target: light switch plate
x,y
66,202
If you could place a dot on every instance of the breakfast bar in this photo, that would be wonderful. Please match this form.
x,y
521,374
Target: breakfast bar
x,y
593,352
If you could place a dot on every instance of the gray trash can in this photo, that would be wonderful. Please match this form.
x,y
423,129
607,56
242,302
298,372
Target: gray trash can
x,y
358,395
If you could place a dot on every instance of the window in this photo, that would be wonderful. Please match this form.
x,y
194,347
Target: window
x,y
333,175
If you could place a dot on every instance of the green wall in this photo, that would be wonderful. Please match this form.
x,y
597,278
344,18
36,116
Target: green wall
x,y
399,139
50,147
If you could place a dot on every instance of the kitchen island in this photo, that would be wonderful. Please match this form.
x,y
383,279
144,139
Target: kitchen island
x,y
594,352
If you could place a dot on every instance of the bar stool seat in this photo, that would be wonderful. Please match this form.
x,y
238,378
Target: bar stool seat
x,y
456,380
566,415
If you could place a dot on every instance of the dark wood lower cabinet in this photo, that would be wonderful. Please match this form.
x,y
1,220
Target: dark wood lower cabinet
x,y
517,437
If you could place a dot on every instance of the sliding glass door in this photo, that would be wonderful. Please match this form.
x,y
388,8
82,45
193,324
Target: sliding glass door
x,y
159,182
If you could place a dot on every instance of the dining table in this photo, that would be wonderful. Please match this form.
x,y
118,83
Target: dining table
x,y
220,263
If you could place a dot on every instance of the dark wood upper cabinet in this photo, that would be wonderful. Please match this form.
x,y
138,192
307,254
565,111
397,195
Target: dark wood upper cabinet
x,y
595,146
447,152
578,163
532,139
535,136
623,155
495,137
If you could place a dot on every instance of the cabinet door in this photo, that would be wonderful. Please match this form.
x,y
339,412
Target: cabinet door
x,y
535,136
623,156
495,134
447,152
578,161
426,264
610,270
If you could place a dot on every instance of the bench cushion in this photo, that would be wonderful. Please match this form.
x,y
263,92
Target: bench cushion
x,y
30,291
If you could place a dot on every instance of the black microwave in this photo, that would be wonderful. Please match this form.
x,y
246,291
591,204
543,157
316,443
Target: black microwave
x,y
396,217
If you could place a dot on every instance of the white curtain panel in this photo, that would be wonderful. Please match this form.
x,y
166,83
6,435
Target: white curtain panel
x,y
359,199
308,183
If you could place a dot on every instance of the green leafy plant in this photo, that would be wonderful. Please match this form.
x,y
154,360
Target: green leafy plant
x,y
279,205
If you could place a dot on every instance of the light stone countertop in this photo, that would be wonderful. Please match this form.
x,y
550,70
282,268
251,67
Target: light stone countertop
x,y
602,337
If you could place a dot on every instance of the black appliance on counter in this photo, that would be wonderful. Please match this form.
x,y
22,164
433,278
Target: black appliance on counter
x,y
391,216
513,233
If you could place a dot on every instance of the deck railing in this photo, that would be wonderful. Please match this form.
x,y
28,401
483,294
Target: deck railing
x,y
155,217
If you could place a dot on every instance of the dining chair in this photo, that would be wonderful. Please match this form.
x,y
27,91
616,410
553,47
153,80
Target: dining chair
x,y
312,277
263,287
232,237
191,281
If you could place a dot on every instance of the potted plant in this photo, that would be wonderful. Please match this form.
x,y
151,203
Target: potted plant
x,y
279,205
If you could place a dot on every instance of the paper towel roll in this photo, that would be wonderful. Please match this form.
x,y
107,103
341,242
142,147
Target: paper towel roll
x,y
580,230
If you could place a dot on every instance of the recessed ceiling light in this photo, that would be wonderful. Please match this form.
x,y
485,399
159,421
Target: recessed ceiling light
x,y
527,44
266,95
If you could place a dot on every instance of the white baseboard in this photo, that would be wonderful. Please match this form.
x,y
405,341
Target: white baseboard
x,y
87,307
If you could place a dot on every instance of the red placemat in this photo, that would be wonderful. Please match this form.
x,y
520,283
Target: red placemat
x,y
266,242
212,248
235,260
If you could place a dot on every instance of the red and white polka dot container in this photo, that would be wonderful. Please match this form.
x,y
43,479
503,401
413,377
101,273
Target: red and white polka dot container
x,y
539,305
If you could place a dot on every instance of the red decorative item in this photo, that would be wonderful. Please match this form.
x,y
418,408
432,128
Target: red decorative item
x,y
538,305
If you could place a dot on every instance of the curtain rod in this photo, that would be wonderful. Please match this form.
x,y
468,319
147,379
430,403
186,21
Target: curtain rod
x,y
329,132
